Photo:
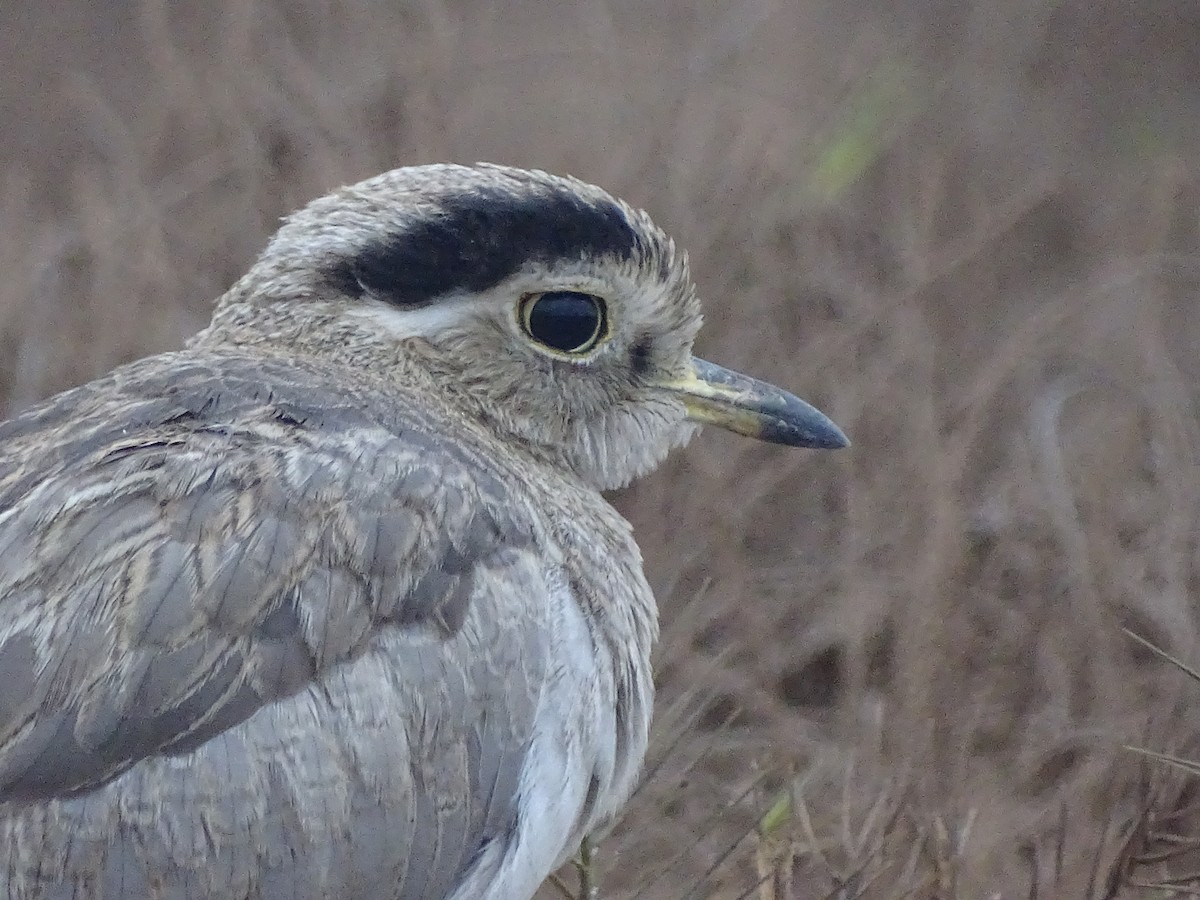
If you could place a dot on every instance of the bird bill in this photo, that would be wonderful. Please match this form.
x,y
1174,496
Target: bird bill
x,y
717,396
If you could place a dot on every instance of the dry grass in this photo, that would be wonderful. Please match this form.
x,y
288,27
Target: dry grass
x,y
967,230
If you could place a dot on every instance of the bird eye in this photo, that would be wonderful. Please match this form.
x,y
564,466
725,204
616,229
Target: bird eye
x,y
566,321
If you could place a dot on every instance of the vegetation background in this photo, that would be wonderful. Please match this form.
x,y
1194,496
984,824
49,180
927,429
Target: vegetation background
x,y
968,230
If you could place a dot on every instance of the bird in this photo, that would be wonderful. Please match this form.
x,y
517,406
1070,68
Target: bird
x,y
330,603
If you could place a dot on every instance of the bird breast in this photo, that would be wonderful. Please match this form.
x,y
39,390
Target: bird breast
x,y
428,767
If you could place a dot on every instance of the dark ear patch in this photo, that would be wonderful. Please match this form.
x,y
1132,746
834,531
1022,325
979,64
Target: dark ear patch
x,y
476,240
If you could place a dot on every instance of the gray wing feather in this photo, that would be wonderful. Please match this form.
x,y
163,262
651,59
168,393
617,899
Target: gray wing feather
x,y
168,567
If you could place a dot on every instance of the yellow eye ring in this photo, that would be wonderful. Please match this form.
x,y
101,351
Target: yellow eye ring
x,y
569,322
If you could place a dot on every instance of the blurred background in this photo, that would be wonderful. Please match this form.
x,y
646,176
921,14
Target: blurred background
x,y
967,230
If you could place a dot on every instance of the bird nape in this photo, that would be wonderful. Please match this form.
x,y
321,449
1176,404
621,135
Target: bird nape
x,y
328,603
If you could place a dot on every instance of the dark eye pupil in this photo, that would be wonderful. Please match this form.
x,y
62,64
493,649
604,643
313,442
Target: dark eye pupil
x,y
567,321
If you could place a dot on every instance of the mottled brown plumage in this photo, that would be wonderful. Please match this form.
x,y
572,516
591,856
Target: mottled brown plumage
x,y
328,604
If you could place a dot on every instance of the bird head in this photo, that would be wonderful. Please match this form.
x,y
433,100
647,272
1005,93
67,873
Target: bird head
x,y
556,315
